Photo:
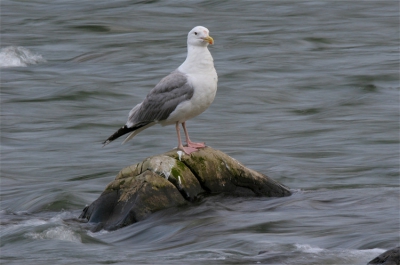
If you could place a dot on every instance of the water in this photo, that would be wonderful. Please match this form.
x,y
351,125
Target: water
x,y
308,94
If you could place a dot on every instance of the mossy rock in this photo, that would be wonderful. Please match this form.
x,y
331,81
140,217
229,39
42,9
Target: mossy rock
x,y
219,173
174,179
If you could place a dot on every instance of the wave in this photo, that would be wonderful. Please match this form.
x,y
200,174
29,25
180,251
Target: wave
x,y
13,56
62,233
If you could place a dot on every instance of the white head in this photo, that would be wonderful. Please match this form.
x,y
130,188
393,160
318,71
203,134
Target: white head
x,y
198,36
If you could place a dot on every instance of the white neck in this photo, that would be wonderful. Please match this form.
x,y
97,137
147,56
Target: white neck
x,y
198,58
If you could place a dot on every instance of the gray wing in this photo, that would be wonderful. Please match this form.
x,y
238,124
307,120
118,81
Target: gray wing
x,y
162,100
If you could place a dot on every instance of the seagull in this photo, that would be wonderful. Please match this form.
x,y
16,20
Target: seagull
x,y
183,94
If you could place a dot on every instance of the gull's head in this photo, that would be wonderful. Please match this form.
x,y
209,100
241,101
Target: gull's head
x,y
199,36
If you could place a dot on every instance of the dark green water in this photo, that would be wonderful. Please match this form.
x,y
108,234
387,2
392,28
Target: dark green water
x,y
308,94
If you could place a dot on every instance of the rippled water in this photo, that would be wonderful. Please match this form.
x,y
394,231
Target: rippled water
x,y
308,94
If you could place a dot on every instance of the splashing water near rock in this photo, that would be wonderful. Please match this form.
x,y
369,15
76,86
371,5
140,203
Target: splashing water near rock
x,y
12,56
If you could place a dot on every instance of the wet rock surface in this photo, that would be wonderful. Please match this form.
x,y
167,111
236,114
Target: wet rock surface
x,y
174,179
390,257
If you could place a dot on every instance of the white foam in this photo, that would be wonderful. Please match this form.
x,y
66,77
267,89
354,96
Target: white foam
x,y
308,249
350,255
12,56
26,223
59,218
314,250
358,253
96,234
59,233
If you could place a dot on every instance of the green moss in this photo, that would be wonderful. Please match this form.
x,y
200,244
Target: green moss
x,y
175,172
180,165
199,161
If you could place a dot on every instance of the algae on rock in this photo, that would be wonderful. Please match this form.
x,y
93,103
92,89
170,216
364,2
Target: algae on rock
x,y
171,180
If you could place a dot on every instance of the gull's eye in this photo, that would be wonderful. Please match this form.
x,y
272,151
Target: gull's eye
x,y
195,33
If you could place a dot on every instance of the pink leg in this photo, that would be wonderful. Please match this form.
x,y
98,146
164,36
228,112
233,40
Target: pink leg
x,y
190,143
188,150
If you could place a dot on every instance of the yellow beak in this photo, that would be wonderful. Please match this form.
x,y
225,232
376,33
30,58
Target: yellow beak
x,y
209,40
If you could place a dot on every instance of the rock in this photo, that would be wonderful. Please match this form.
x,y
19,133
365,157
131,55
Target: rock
x,y
175,179
390,257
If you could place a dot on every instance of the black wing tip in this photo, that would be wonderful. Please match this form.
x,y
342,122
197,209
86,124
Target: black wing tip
x,y
106,142
121,131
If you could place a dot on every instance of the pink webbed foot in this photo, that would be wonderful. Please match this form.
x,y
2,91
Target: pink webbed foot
x,y
187,150
191,146
196,145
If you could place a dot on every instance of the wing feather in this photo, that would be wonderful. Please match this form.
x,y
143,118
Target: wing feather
x,y
162,100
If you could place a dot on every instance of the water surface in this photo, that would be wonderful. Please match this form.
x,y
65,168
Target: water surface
x,y
308,94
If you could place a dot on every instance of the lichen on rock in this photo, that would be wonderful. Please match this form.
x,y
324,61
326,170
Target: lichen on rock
x,y
172,179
